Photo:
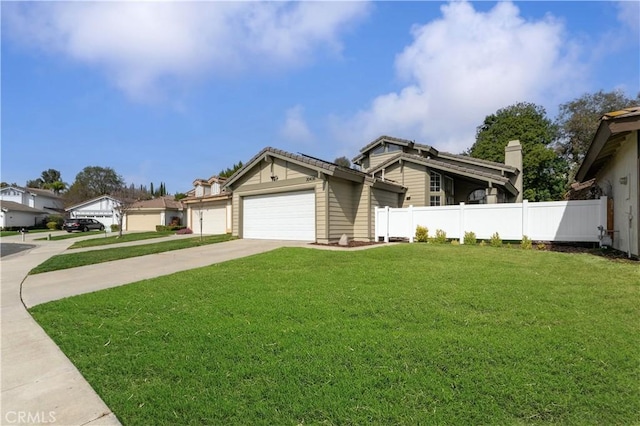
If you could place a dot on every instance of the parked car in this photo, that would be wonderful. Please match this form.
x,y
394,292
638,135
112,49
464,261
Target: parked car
x,y
82,225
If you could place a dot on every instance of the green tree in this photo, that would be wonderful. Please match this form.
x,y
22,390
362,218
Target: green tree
x,y
47,180
545,173
94,181
56,187
342,161
230,170
578,121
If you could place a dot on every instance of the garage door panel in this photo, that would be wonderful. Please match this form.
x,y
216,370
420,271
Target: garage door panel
x,y
214,220
284,216
142,222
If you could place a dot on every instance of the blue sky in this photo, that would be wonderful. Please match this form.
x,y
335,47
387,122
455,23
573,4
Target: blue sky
x,y
171,92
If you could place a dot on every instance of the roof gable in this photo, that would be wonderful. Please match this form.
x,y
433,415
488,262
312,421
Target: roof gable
x,y
36,191
613,128
396,141
161,203
93,200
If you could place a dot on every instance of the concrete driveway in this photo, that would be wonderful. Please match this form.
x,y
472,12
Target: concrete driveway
x,y
39,383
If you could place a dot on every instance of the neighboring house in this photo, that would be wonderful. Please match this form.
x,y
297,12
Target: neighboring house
x,y
279,195
18,215
436,178
39,199
208,207
102,209
146,215
613,163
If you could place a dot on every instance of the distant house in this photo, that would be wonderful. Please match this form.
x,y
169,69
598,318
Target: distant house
x,y
102,208
15,215
612,167
279,195
26,207
146,215
39,199
208,207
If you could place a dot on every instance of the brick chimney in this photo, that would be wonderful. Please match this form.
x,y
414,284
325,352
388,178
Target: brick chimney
x,y
513,158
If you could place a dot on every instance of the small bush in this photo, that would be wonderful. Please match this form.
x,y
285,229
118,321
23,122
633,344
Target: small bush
x,y
55,218
541,246
422,234
482,243
160,228
495,240
115,227
52,225
455,242
184,231
441,237
470,238
526,243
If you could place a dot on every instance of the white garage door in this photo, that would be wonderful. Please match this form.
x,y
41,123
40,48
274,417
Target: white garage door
x,y
286,216
142,222
214,220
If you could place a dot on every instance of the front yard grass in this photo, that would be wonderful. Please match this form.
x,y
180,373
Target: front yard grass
x,y
74,260
407,334
70,235
125,238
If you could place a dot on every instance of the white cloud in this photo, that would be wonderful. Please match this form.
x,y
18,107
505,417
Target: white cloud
x,y
295,128
629,15
140,43
464,66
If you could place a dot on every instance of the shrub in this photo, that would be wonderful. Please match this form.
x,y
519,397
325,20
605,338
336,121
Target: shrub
x,y
160,228
53,225
482,243
115,227
441,237
526,243
184,231
455,242
55,218
495,240
470,238
541,246
422,234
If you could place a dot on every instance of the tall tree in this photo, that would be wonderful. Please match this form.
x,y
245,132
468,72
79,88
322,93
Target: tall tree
x,y
230,170
545,173
94,181
578,121
342,161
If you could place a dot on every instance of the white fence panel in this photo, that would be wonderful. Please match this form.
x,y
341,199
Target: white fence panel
x,y
446,218
569,221
484,220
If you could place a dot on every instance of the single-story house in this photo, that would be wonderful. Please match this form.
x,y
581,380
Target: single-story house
x,y
279,195
147,214
18,215
613,162
102,208
39,199
208,207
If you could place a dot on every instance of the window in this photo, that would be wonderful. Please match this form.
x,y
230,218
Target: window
x,y
435,182
393,147
378,150
479,196
434,200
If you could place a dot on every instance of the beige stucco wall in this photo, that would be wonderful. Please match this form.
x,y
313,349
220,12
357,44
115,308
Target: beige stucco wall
x,y
625,196
342,208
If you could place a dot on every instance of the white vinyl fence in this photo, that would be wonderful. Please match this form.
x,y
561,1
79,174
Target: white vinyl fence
x,y
566,221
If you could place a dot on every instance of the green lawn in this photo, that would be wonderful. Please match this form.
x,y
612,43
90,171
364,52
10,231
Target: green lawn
x,y
73,260
12,233
407,334
69,235
125,238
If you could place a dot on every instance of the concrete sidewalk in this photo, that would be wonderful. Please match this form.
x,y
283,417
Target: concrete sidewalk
x,y
39,382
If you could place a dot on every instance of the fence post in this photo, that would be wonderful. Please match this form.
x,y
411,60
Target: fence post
x,y
376,225
413,227
461,230
602,213
386,232
525,219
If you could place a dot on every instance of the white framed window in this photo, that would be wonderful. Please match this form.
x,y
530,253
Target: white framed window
x,y
434,200
436,183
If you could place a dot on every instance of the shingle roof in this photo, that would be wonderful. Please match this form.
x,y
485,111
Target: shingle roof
x,y
301,158
37,191
17,207
158,203
625,112
398,141
442,165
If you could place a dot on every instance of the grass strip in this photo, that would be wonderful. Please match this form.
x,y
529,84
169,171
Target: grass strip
x,y
408,334
114,239
70,235
74,260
